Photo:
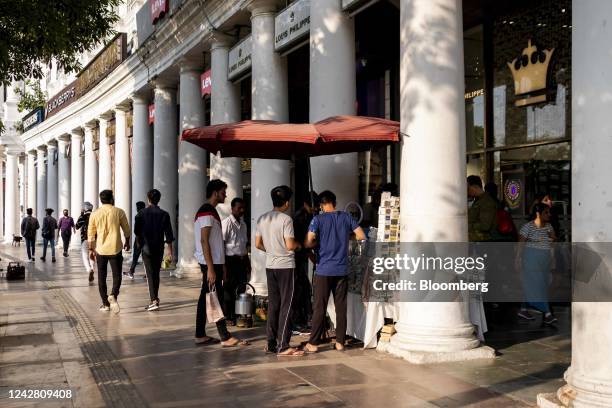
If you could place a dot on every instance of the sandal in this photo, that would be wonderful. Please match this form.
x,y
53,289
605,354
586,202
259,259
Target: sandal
x,y
237,343
268,350
291,352
310,348
204,340
340,347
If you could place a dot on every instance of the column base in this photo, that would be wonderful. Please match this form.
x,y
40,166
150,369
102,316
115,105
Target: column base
x,y
567,396
429,357
549,400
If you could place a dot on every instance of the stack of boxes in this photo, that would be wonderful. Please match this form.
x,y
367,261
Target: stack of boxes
x,y
388,219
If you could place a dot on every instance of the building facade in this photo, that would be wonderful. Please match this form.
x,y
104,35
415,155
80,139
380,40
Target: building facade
x,y
479,87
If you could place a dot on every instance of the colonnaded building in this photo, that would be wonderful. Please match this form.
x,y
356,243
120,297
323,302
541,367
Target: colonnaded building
x,y
519,92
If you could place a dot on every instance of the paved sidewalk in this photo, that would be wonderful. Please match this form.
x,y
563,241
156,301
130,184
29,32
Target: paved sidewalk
x,y
52,336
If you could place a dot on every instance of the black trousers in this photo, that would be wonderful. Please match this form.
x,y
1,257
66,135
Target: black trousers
x,y
237,269
201,311
136,252
323,286
152,263
115,262
281,290
30,247
302,308
66,242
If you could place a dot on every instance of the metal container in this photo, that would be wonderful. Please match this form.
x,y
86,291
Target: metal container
x,y
245,302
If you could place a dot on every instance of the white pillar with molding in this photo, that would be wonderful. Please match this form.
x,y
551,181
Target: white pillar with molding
x,y
191,165
11,203
90,191
142,145
52,185
123,176
270,102
31,181
21,166
41,184
165,141
224,108
76,178
104,159
2,214
589,378
333,91
433,173
63,172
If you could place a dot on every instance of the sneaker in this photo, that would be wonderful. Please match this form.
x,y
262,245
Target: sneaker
x,y
153,306
42,258
31,260
114,306
550,319
524,314
128,275
104,308
91,277
65,254
53,259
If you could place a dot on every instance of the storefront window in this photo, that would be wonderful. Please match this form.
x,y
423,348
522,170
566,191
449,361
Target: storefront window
x,y
474,89
532,73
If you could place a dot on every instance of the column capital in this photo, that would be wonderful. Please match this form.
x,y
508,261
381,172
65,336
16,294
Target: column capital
x,y
220,40
32,152
76,133
140,99
41,149
123,107
163,83
190,65
91,125
258,7
106,116
52,144
64,138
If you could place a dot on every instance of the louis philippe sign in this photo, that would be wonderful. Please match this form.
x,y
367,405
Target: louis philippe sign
x,y
292,24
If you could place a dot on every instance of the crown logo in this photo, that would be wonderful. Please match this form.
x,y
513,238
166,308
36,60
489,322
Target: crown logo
x,y
530,73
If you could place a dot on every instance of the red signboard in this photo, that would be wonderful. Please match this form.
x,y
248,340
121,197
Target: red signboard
x,y
151,114
206,83
159,8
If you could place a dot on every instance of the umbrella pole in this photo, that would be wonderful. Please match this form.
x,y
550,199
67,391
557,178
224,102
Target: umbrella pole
x,y
310,192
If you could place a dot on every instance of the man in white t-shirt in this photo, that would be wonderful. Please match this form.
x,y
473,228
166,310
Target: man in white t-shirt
x,y
209,251
274,236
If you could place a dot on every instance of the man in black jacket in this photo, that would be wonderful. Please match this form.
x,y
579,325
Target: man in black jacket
x,y
29,226
140,205
151,225
48,233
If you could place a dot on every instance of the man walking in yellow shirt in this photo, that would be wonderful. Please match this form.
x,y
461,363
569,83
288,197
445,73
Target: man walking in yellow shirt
x,y
104,238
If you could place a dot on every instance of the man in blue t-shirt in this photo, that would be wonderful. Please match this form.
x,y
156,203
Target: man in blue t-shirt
x,y
331,231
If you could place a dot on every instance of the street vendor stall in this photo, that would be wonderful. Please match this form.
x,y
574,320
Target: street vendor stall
x,y
335,135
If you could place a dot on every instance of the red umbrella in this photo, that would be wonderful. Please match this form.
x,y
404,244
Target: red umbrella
x,y
274,140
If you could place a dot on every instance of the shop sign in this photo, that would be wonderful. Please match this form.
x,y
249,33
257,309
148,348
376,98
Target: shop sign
x,y
159,8
102,65
530,73
206,83
33,118
61,100
473,94
151,114
292,24
239,60
513,193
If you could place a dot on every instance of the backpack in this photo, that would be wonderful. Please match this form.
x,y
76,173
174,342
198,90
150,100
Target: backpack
x,y
505,225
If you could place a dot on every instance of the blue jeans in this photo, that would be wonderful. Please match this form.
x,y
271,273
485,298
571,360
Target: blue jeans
x,y
45,243
536,270
30,247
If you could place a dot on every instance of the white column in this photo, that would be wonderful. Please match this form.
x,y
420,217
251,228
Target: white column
x,y
224,108
333,92
589,378
41,184
63,172
90,191
433,173
52,177
76,175
104,159
165,146
270,101
123,175
31,184
11,204
21,166
191,164
142,151
2,214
